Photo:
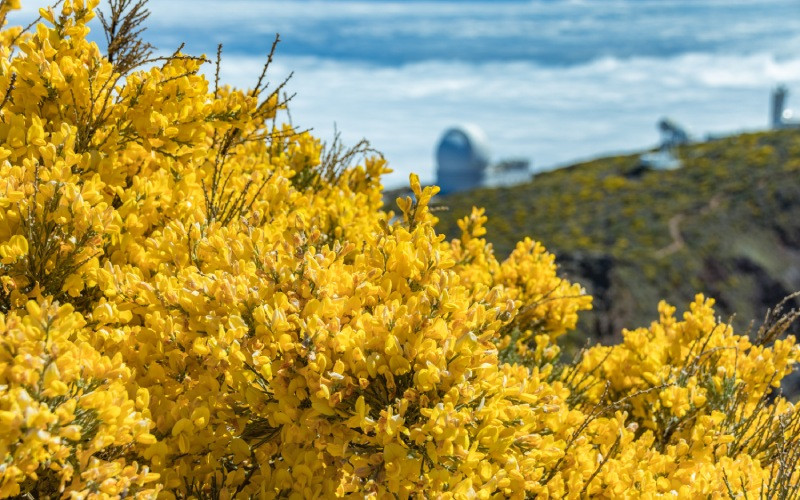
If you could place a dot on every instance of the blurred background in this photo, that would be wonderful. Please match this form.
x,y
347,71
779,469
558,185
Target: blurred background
x,y
550,80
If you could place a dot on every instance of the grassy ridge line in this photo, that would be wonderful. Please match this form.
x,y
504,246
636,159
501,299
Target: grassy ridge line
x,y
726,224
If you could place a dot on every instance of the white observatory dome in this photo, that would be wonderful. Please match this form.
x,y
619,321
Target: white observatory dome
x,y
462,158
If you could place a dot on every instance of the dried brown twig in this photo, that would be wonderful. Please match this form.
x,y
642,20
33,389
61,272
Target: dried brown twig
x,y
777,321
123,29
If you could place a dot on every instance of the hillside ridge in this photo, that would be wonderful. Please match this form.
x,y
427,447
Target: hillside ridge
x,y
726,224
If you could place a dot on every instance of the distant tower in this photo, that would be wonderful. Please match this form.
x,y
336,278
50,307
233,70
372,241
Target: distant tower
x,y
462,157
778,104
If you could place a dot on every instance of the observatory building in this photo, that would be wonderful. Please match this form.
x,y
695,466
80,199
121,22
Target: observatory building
x,y
665,157
464,162
780,117
462,159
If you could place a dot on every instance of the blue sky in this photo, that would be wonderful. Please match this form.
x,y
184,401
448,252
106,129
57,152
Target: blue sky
x,y
551,80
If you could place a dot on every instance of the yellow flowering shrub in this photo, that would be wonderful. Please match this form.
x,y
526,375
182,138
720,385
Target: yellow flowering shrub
x,y
66,417
702,399
198,302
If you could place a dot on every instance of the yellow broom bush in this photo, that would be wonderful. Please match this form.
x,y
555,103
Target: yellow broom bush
x,y
198,302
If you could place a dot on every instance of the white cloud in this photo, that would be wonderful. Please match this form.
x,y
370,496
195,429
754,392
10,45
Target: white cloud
x,y
552,115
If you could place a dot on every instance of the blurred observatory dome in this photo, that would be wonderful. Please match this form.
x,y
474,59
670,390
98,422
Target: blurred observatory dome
x,y
462,158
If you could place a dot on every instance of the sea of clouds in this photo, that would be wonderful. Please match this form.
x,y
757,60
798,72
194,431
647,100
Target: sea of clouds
x,y
552,115
551,80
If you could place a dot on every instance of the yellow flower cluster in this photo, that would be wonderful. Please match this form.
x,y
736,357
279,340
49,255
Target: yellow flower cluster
x,y
66,415
198,303
704,420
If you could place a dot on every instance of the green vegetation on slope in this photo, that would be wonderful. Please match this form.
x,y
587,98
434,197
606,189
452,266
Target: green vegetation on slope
x,y
726,224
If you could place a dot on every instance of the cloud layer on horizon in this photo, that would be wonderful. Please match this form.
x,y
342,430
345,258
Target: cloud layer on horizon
x,y
551,115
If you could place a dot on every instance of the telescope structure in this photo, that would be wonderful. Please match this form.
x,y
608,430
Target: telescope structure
x,y
780,116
